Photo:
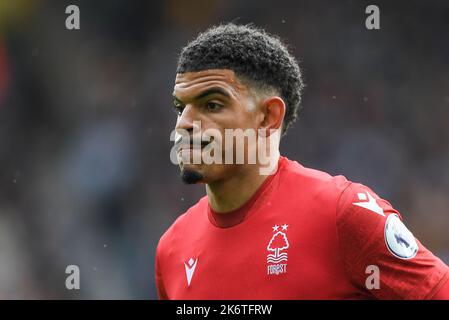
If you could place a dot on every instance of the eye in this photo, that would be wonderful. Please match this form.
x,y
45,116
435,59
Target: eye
x,y
213,106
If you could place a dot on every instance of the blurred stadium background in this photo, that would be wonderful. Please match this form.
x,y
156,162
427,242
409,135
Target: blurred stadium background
x,y
85,118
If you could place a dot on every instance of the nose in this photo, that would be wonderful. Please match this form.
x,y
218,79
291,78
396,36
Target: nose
x,y
186,120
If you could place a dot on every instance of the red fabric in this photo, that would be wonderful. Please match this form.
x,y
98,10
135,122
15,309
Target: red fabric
x,y
363,242
443,293
302,237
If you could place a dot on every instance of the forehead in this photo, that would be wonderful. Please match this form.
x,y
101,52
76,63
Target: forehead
x,y
191,83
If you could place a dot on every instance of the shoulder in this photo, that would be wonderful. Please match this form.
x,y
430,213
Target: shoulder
x,y
360,208
181,224
321,186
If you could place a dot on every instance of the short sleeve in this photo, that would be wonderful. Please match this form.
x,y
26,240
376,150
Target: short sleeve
x,y
372,236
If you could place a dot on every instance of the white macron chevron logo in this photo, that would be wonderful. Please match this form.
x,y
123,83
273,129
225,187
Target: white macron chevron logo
x,y
190,269
368,202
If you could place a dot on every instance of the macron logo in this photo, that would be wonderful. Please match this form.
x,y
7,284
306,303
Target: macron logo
x,y
190,269
369,203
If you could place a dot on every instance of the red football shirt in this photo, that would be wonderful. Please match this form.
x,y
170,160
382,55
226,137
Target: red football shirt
x,y
303,235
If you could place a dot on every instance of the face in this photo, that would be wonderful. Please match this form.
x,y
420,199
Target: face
x,y
212,99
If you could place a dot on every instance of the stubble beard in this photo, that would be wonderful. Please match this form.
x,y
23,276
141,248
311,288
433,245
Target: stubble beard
x,y
191,176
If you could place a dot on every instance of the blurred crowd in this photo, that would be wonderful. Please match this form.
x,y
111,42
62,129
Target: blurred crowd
x,y
86,116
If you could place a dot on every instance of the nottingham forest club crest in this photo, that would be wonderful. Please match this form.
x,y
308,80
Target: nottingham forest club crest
x,y
277,251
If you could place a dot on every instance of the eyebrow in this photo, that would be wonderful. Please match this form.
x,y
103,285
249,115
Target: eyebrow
x,y
214,90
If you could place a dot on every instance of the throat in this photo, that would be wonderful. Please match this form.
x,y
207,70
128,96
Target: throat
x,y
231,194
231,203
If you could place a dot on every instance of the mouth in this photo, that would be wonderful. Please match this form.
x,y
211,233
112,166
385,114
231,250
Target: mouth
x,y
191,145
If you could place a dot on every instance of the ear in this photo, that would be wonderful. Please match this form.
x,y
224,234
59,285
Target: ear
x,y
273,109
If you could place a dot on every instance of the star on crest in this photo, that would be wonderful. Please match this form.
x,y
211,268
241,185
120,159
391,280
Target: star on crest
x,y
275,228
285,226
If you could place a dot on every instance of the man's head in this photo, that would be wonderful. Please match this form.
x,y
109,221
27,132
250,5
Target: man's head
x,y
235,77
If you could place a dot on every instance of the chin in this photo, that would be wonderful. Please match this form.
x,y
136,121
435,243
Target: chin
x,y
200,173
191,176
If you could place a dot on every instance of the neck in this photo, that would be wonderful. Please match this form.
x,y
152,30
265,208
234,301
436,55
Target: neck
x,y
232,193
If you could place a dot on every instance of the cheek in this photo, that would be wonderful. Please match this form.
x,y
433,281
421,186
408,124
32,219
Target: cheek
x,y
232,120
247,121
241,120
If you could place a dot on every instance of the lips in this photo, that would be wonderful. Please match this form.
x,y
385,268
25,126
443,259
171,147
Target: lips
x,y
180,144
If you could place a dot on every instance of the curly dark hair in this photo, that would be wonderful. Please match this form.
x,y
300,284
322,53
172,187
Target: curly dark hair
x,y
252,54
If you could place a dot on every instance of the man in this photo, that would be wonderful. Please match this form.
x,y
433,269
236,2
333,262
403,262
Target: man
x,y
295,233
